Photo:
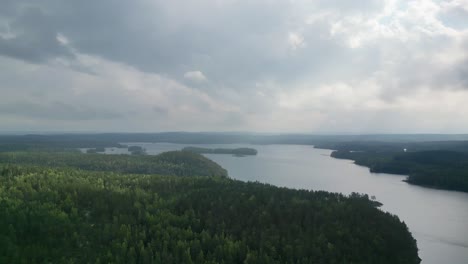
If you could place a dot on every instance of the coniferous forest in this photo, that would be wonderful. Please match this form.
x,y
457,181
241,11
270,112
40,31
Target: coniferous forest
x,y
442,169
230,131
180,207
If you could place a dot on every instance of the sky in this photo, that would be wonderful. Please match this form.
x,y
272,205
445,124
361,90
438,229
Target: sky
x,y
286,66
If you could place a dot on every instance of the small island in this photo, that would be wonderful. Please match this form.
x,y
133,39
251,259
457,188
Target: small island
x,y
238,152
96,150
136,150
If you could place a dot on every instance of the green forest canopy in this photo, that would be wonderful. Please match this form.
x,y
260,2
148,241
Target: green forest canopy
x,y
176,163
68,215
61,206
436,168
233,151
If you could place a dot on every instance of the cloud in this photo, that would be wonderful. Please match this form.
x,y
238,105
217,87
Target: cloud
x,y
115,94
296,41
196,76
301,66
55,111
62,40
30,35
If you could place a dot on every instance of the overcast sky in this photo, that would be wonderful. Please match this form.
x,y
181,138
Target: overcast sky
x,y
325,66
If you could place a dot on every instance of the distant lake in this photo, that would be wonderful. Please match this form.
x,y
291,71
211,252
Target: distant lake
x,y
437,219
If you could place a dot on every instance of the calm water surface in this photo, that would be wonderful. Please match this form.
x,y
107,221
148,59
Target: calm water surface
x,y
437,219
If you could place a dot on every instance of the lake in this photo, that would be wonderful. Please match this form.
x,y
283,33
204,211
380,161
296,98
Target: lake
x,y
437,219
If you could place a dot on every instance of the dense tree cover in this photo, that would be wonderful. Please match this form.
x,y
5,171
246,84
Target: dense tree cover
x,y
233,151
136,150
64,215
390,146
170,163
53,143
438,169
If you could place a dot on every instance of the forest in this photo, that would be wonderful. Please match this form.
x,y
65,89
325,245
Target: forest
x,y
180,207
234,151
136,150
176,163
442,169
381,153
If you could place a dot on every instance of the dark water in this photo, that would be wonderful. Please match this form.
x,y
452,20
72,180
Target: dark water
x,y
438,219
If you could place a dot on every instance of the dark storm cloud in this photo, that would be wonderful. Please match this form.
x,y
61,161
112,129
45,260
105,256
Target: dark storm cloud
x,y
176,37
33,36
8,7
233,43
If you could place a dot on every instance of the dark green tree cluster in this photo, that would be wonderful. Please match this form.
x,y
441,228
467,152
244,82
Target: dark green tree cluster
x,y
438,168
136,150
66,215
177,163
65,142
233,151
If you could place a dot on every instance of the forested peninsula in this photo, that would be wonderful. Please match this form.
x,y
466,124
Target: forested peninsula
x,y
234,151
177,163
180,207
440,165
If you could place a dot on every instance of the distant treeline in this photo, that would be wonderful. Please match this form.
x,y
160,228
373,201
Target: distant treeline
x,y
234,151
388,146
73,141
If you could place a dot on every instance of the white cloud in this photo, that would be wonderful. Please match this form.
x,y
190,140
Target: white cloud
x,y
196,76
404,21
62,39
296,41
